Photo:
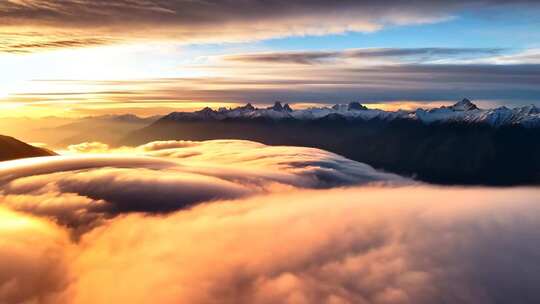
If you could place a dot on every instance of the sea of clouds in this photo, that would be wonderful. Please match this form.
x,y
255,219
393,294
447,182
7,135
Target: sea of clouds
x,y
240,222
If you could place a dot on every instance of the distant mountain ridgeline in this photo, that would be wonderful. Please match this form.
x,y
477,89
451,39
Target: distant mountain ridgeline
x,y
59,132
11,148
460,144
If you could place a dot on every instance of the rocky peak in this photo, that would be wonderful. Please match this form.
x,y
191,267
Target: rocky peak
x,y
206,111
276,107
356,106
464,105
530,110
248,107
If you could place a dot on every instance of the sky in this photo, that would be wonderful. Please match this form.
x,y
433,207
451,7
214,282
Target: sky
x,y
76,58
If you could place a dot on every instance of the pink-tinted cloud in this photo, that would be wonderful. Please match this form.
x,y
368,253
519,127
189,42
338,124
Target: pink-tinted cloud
x,y
86,230
359,245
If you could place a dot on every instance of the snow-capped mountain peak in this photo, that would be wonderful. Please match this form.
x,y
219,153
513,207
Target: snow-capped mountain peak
x,y
464,105
530,109
462,112
280,108
356,106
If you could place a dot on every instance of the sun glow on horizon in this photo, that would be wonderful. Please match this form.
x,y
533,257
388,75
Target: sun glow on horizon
x,y
7,89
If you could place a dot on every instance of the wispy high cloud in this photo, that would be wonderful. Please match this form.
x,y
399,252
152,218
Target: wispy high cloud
x,y
28,42
264,82
87,22
365,55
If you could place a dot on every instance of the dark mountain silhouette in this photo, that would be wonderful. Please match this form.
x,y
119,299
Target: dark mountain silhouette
x,y
106,128
11,148
449,152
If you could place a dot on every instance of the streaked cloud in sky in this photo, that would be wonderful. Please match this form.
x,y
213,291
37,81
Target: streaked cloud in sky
x,y
72,23
73,58
296,78
367,56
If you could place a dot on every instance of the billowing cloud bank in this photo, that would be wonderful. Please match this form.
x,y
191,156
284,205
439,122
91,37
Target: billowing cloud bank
x,y
81,189
257,235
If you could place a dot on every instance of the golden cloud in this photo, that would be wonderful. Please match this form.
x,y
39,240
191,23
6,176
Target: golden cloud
x,y
81,190
357,245
382,239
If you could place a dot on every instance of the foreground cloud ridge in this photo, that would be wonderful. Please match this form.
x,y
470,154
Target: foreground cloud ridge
x,y
81,190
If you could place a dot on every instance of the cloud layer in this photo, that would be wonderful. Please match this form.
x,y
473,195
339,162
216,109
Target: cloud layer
x,y
359,245
45,24
113,227
83,190
333,246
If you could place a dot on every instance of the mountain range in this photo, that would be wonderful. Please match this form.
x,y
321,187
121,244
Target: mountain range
x,y
464,111
59,132
458,144
104,128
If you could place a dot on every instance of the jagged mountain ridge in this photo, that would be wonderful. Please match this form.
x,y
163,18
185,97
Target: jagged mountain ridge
x,y
469,146
462,112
